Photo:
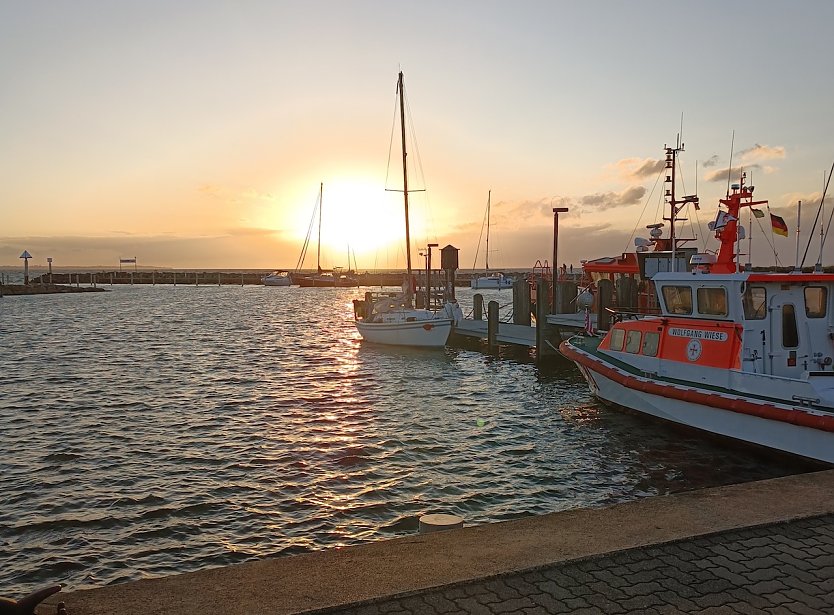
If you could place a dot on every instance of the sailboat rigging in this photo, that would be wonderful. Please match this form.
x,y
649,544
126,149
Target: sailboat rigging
x,y
391,319
495,280
322,278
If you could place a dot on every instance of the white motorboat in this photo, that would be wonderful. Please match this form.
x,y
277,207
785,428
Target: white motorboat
x,y
743,354
277,278
492,281
392,319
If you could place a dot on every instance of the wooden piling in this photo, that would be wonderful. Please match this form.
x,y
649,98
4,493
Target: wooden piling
x,y
542,310
492,325
478,306
521,302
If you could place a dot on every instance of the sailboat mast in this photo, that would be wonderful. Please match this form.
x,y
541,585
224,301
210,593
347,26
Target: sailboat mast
x,y
405,178
318,253
489,197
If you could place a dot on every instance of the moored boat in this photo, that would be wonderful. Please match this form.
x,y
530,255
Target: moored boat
x,y
495,280
392,319
741,354
277,278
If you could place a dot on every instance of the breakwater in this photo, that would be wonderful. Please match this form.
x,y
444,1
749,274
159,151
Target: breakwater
x,y
216,278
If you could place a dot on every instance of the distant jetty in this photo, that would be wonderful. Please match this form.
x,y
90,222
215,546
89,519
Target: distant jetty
x,y
206,278
16,290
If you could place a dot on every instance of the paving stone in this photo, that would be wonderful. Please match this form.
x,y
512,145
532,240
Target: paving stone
x,y
739,576
472,607
441,603
736,580
549,603
641,603
810,600
510,606
520,584
555,590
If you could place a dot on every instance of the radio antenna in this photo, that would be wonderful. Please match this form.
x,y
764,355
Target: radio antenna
x,y
730,168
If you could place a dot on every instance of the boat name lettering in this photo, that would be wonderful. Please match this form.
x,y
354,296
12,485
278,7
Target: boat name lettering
x,y
699,334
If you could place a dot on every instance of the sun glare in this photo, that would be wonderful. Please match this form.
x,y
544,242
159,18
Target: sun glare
x,y
357,215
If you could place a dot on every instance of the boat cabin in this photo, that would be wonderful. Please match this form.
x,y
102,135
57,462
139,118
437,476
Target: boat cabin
x,y
764,323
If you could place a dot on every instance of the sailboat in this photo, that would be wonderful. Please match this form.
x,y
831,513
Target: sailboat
x,y
392,319
322,278
490,280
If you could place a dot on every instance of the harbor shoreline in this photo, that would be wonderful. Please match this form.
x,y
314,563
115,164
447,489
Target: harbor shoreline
x,y
350,577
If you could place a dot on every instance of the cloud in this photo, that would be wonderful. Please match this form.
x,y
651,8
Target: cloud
x,y
710,162
762,152
610,200
640,167
720,175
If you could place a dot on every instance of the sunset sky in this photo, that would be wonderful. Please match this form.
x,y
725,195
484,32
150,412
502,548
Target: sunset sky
x,y
196,134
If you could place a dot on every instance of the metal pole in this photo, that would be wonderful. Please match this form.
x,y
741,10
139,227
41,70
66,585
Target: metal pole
x,y
555,266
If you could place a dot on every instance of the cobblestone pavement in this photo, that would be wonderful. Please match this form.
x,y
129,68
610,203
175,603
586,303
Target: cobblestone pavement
x,y
783,568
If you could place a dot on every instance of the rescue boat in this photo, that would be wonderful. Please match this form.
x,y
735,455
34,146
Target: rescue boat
x,y
739,353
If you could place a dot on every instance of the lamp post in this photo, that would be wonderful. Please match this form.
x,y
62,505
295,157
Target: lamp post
x,y
556,212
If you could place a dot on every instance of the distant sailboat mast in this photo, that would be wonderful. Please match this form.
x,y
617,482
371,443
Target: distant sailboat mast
x,y
321,205
489,197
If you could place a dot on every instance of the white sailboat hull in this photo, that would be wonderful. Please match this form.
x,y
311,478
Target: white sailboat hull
x,y
423,333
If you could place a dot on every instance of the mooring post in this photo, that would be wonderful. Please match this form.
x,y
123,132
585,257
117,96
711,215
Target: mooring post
x,y
218,278
492,324
196,279
542,310
478,306
521,302
175,278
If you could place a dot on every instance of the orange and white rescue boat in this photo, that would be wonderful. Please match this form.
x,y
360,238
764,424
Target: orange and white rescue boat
x,y
742,354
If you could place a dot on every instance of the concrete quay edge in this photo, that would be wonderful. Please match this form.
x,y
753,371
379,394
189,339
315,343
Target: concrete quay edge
x,y
318,582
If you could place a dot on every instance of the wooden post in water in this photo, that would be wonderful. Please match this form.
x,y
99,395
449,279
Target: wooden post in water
x,y
241,279
218,278
492,325
131,278
543,345
604,293
175,278
478,306
521,302
111,278
153,277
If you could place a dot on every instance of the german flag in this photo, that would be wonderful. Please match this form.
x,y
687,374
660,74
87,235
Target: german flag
x,y
778,225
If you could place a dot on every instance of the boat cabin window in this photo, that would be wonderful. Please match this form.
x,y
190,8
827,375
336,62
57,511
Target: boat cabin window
x,y
633,342
790,334
678,299
754,301
617,337
712,301
816,300
650,343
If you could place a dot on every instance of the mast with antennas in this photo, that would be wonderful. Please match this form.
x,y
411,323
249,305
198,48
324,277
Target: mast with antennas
x,y
675,204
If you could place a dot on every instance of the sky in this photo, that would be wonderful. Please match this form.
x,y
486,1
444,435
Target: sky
x,y
198,134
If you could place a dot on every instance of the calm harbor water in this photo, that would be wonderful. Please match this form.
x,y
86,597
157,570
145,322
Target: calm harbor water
x,y
154,430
